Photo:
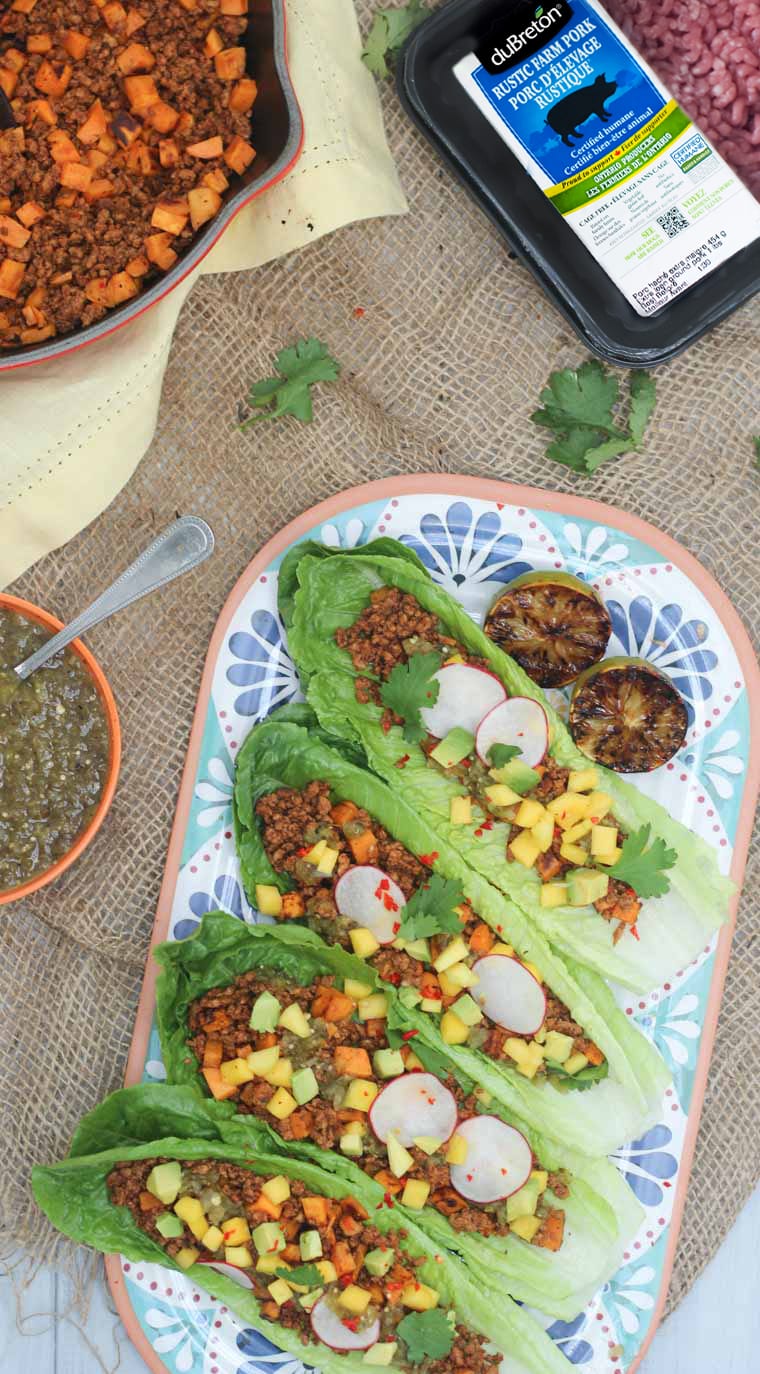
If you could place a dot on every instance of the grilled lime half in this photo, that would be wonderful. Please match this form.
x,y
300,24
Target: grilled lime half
x,y
552,623
627,715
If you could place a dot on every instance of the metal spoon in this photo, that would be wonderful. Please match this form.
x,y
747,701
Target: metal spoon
x,y
182,546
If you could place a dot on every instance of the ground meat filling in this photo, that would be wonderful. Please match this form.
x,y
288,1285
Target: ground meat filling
x,y
337,1049
81,182
234,1203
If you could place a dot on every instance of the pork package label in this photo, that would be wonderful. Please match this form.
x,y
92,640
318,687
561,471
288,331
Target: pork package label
x,y
617,157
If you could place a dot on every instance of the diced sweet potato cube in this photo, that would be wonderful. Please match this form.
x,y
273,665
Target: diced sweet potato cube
x,y
32,336
5,205
14,59
238,154
99,188
161,117
135,58
184,123
76,44
95,124
61,148
230,63
96,159
65,199
189,4
76,175
159,251
107,144
8,81
135,21
125,128
207,148
213,43
61,278
233,7
51,82
243,95
42,110
33,315
140,159
39,42
97,290
36,297
11,277
171,216
138,267
204,204
114,15
13,234
168,152
23,6
30,213
216,179
140,92
121,287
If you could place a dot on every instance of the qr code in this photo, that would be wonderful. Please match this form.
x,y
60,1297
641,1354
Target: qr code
x,y
673,222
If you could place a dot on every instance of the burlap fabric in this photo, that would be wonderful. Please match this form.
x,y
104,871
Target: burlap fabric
x,y
440,373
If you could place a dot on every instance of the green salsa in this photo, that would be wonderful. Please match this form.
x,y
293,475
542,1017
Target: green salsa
x,y
54,753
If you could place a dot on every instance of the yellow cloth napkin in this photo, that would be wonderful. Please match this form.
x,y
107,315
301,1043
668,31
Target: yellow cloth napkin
x,y
73,431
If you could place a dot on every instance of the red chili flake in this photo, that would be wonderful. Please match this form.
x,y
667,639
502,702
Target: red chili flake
x,y
478,832
389,902
503,1172
394,978
467,763
301,852
409,1035
403,761
429,859
359,312
272,1249
351,1322
470,1177
345,1280
388,1200
488,825
499,929
635,933
385,725
594,820
431,1101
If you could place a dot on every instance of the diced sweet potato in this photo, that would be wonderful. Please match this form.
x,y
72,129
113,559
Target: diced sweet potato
x,y
65,199
14,59
114,15
42,110
23,6
8,81
141,92
76,44
168,152
217,1086
215,179
76,175
242,96
121,287
61,278
30,213
96,159
107,144
51,82
204,204
238,154
95,124
160,252
140,267
233,6
99,189
230,63
140,159
5,204
33,336
125,128
171,216
135,58
39,42
352,1060
161,117
184,123
97,290
11,277
213,43
135,21
12,234
208,148
61,148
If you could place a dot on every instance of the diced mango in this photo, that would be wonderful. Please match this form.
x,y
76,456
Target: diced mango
x,y
190,1210
236,1231
525,1227
525,849
282,1104
573,854
543,832
277,1189
553,894
500,795
268,899
281,1291
582,779
313,855
597,806
356,990
420,1297
355,1299
434,1005
281,1075
235,1072
575,1063
568,809
456,950
541,1177
261,1062
461,976
359,1095
501,948
327,1270
363,942
460,810
529,813
296,1021
558,1047
609,858
457,1151
399,1158
373,1008
429,1144
328,861
186,1256
213,1239
603,840
453,1031
578,832
415,1195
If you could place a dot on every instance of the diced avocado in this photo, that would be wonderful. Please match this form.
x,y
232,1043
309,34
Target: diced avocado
x,y
524,1202
169,1226
163,1181
419,949
399,1158
517,775
269,1238
420,1296
310,1245
467,1010
525,1227
355,1299
434,1005
575,1063
388,1063
351,1144
585,885
304,1086
381,1354
429,1144
265,1013
460,810
453,1031
378,1262
409,997
295,1020
455,951
277,1189
454,747
363,942
309,1300
356,990
373,1008
558,1047
415,1194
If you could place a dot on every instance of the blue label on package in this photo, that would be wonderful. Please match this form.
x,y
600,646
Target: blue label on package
x,y
565,84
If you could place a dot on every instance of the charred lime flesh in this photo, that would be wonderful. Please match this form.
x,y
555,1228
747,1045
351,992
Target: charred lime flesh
x,y
628,716
554,625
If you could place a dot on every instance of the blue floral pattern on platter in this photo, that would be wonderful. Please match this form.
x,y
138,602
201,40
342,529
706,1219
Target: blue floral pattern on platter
x,y
474,548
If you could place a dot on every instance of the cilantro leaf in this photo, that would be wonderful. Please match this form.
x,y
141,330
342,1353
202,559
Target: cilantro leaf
x,y
305,1275
579,406
642,864
390,30
426,1335
411,686
430,910
499,754
299,368
577,1082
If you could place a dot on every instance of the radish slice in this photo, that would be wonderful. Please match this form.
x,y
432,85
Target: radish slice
x,y
509,994
520,722
465,696
368,896
230,1271
330,1328
499,1160
416,1104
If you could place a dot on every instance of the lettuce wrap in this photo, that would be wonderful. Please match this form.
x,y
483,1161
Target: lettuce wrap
x,y
601,1214
333,591
601,1118
75,1197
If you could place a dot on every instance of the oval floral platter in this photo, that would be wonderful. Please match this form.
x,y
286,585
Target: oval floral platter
x,y
475,536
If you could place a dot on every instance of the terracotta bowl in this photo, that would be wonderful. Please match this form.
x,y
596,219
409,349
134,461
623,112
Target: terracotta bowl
x,y
25,608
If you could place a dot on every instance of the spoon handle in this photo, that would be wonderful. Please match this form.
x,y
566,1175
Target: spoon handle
x,y
181,547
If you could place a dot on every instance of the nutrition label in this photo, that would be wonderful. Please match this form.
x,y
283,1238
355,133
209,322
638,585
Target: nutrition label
x,y
617,157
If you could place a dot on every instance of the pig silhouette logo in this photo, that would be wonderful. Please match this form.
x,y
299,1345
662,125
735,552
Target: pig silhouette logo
x,y
580,105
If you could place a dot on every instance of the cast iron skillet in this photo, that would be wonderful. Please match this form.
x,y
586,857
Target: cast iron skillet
x,y
278,139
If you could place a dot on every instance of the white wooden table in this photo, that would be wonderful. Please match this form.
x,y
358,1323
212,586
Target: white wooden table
x,y
717,1328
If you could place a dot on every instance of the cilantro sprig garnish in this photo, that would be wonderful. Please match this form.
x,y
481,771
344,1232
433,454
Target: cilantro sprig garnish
x,y
499,754
581,407
642,865
431,910
299,368
304,1275
390,30
411,686
426,1335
